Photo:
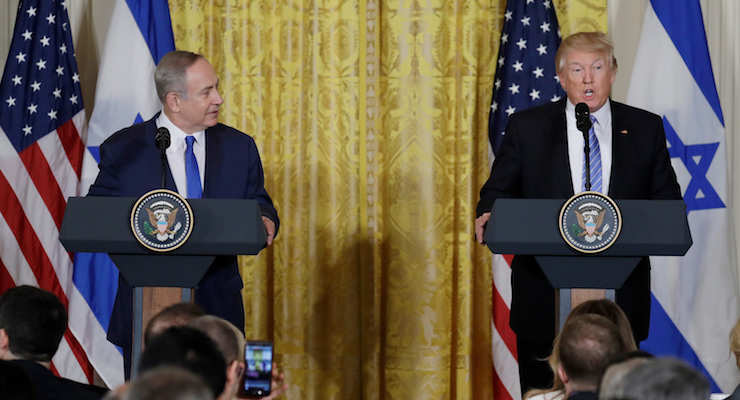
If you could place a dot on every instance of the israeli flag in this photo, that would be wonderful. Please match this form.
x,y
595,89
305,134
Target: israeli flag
x,y
694,298
140,34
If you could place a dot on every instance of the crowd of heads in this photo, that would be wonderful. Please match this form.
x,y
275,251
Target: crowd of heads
x,y
188,355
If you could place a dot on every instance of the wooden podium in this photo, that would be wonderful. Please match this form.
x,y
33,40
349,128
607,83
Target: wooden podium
x,y
220,227
530,227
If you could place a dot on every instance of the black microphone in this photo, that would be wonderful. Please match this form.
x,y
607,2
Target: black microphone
x,y
162,139
583,123
583,118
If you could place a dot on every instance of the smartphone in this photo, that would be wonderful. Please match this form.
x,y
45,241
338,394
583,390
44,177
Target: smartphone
x,y
258,369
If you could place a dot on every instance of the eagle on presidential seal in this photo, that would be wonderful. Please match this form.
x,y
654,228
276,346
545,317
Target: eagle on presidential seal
x,y
164,222
590,218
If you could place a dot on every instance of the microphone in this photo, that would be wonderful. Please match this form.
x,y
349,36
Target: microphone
x,y
583,123
583,118
162,139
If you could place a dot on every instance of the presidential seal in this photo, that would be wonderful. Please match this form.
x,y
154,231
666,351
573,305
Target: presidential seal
x,y
161,220
590,222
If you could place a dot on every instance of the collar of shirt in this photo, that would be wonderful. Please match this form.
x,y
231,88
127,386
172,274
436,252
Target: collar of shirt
x,y
176,153
603,130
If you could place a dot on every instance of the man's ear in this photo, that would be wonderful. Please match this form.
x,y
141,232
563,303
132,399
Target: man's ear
x,y
561,373
173,101
234,371
4,344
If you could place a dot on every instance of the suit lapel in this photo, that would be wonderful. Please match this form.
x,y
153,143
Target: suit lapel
x,y
559,146
620,150
154,156
214,162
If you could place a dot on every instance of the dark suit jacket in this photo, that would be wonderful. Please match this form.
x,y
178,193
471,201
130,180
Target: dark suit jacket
x,y
735,394
50,387
130,167
583,396
533,163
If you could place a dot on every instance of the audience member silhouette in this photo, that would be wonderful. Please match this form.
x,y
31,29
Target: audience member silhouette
x,y
32,324
588,344
603,307
187,348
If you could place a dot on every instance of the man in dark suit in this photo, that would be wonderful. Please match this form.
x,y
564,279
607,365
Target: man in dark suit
x,y
542,157
226,165
32,323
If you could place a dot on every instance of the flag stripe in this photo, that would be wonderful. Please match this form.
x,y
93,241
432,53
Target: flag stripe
x,y
501,322
153,19
53,149
40,172
499,390
38,261
669,341
73,146
688,35
6,281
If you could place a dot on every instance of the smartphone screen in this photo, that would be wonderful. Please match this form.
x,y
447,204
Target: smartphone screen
x,y
258,368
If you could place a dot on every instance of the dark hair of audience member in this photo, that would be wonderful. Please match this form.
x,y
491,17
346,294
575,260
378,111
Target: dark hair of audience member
x,y
588,344
168,383
190,349
178,314
35,338
15,384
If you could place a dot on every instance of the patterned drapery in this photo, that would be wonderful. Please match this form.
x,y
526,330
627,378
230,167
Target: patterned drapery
x,y
371,118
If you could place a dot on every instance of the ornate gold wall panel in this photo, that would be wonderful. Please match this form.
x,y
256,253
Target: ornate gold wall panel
x,y
371,118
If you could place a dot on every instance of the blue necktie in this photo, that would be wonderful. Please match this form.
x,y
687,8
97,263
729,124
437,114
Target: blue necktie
x,y
595,156
195,191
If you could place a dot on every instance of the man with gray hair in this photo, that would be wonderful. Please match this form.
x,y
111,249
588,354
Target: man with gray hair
x,y
205,160
661,379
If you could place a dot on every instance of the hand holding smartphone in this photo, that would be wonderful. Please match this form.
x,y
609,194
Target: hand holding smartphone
x,y
258,369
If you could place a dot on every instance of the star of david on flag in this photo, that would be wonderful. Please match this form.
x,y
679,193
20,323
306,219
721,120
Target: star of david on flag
x,y
694,298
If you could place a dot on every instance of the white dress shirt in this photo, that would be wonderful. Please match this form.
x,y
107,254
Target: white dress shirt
x,y
176,153
603,130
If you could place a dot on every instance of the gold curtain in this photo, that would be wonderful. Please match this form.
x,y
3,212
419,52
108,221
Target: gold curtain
x,y
371,119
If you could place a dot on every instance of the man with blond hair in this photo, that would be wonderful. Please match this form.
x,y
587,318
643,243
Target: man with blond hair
x,y
542,156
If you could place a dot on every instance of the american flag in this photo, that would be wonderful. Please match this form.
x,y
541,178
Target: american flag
x,y
525,77
525,69
42,129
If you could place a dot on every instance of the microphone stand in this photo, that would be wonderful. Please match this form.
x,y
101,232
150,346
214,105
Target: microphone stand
x,y
583,123
587,152
162,139
163,157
